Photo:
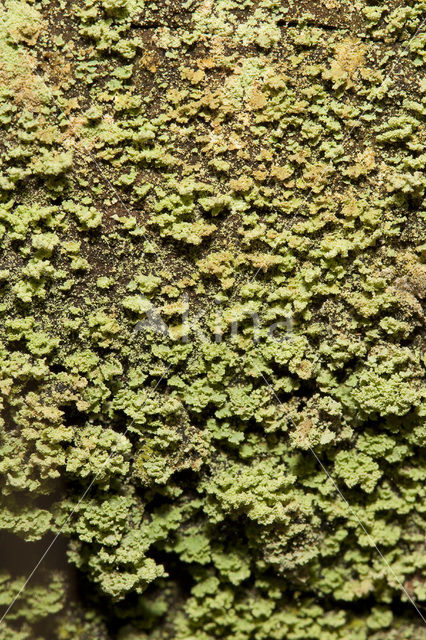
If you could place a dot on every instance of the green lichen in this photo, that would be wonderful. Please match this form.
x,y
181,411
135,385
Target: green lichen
x,y
211,285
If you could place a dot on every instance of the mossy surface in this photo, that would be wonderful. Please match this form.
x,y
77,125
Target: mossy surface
x,y
206,206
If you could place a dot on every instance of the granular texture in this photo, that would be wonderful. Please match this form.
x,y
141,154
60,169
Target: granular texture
x,y
211,283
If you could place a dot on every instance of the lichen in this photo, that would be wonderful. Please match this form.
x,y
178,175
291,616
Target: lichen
x,y
211,285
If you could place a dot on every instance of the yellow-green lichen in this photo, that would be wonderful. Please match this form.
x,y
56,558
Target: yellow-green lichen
x,y
206,206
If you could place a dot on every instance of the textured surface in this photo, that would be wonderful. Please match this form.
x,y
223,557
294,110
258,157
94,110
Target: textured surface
x,y
211,284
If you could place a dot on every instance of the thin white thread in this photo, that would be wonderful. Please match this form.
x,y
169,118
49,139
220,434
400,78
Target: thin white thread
x,y
84,494
78,137
255,275
312,451
369,537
